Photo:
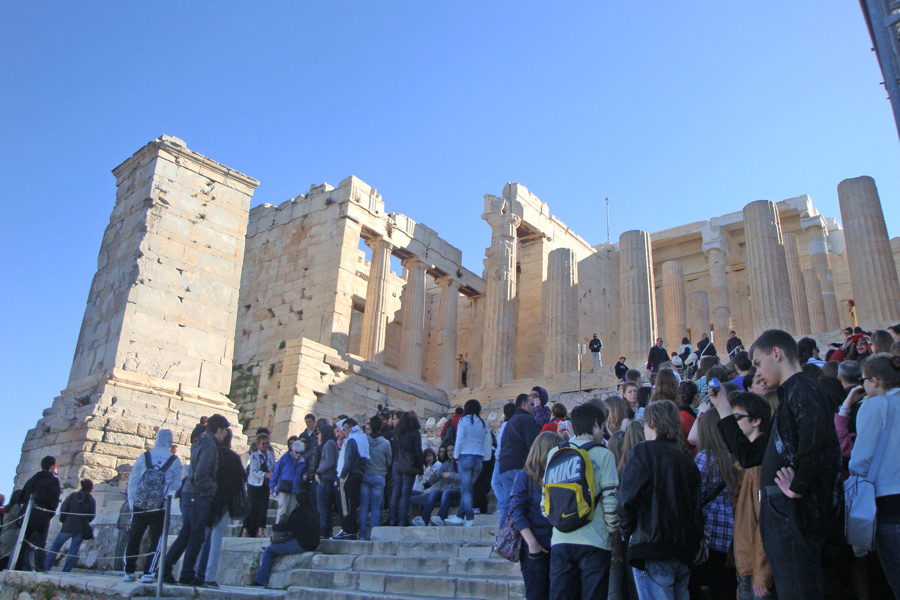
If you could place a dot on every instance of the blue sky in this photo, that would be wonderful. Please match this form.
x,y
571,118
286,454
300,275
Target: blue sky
x,y
677,114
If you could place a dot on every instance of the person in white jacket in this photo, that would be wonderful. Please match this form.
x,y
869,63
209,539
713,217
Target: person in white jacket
x,y
166,465
473,447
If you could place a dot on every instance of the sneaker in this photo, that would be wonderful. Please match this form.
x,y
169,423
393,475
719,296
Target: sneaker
x,y
454,520
437,521
211,584
148,578
129,577
418,522
469,523
344,536
477,511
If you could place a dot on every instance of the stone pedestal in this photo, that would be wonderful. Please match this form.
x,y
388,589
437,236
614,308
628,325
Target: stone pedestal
x,y
156,343
873,273
769,284
673,302
638,295
818,260
500,300
798,290
411,349
699,317
814,301
561,313
374,323
447,333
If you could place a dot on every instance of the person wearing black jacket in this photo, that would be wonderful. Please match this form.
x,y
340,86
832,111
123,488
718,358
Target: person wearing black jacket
x,y
659,506
45,489
658,355
76,514
518,435
410,463
231,478
801,488
304,530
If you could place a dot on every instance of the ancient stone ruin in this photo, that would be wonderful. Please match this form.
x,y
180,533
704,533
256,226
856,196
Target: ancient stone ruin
x,y
200,305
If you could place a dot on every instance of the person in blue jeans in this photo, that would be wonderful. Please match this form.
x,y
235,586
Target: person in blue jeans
x,y
518,435
472,448
372,489
525,510
444,492
326,476
303,527
77,511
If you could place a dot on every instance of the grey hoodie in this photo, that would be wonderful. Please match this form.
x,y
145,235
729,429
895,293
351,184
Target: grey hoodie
x,y
158,457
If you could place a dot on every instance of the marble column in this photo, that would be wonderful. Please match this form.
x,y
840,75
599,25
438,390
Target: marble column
x,y
798,289
815,301
818,260
699,319
718,292
673,302
561,313
411,349
499,336
771,303
447,332
638,296
374,325
873,273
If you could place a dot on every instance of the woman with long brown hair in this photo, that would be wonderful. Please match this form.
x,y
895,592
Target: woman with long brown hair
x,y
525,510
666,387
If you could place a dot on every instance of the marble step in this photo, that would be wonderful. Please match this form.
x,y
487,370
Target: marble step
x,y
435,534
494,568
403,584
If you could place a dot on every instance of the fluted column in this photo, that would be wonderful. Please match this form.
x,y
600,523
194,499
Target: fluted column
x,y
561,313
815,301
699,319
769,286
873,273
818,260
374,325
798,289
447,332
720,303
673,301
413,318
500,296
637,294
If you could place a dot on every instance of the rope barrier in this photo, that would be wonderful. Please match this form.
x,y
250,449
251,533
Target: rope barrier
x,y
61,553
74,514
7,524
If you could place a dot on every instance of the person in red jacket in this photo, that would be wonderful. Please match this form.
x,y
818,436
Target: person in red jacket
x,y
559,413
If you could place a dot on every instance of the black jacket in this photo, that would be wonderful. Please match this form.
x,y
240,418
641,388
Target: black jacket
x,y
77,502
518,435
802,437
656,357
659,504
621,370
410,446
44,487
353,461
303,523
230,478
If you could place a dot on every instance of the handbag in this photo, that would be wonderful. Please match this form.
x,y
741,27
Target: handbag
x,y
240,504
87,532
285,486
509,539
859,495
280,534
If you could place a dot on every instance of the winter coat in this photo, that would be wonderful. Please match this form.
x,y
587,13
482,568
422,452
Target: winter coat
x,y
288,470
749,556
45,489
302,523
411,450
656,357
525,508
380,455
328,455
201,481
473,437
158,457
518,436
353,461
257,474
77,502
542,413
230,479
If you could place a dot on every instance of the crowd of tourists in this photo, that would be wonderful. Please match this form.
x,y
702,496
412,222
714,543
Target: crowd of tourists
x,y
732,478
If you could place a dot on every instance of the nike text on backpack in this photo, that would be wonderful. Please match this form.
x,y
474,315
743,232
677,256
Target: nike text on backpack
x,y
570,491
151,489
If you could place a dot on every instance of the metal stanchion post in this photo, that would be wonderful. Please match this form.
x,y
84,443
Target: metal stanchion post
x,y
15,555
161,570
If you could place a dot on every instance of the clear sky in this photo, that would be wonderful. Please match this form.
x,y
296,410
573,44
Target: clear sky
x,y
676,113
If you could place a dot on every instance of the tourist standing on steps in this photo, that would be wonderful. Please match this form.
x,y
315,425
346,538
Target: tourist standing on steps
x,y
594,346
525,505
352,468
372,489
155,474
304,537
502,495
733,342
44,488
230,480
539,398
473,447
197,493
83,509
259,472
657,356
10,535
326,477
286,480
800,479
409,441
518,436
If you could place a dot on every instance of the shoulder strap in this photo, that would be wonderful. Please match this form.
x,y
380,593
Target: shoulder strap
x,y
714,495
147,460
168,463
882,439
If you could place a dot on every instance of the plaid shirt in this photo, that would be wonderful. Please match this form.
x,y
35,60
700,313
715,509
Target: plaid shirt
x,y
718,514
